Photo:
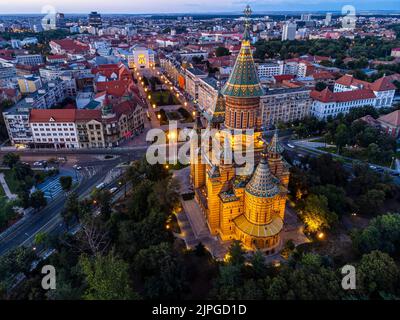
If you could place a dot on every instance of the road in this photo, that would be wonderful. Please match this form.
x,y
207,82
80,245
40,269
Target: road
x,y
298,152
49,218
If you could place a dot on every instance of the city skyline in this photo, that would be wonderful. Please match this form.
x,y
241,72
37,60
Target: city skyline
x,y
191,6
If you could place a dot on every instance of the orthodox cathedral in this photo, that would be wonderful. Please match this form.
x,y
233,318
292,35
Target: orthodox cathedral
x,y
249,208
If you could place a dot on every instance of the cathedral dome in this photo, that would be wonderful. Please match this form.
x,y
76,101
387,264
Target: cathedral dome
x,y
263,184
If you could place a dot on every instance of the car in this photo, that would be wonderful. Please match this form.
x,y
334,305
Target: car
x,y
37,163
113,190
290,145
100,186
395,174
78,168
372,167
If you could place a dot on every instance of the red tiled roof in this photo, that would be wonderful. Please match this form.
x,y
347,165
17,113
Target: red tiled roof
x,y
327,96
323,75
391,118
57,57
87,115
58,115
117,88
280,78
125,107
70,45
369,120
382,84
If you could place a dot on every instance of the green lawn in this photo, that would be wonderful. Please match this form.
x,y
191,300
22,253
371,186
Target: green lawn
x,y
163,98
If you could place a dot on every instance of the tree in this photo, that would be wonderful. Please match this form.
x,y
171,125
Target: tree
x,y
382,233
200,250
103,198
258,265
66,182
18,260
7,212
38,200
377,272
336,196
107,278
41,238
11,159
222,51
316,214
341,137
235,254
71,209
371,202
161,272
307,279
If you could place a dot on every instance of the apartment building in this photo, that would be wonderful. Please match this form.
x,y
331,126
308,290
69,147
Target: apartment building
x,y
192,80
208,93
54,128
383,89
90,128
285,105
327,103
16,121
53,72
29,84
267,70
29,59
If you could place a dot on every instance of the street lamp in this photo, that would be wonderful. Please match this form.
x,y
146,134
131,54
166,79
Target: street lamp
x,y
159,116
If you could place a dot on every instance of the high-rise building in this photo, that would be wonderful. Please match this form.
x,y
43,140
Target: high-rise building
x,y
289,31
249,208
53,21
328,19
94,19
306,17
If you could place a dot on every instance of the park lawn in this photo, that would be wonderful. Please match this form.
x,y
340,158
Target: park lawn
x,y
319,139
161,98
328,149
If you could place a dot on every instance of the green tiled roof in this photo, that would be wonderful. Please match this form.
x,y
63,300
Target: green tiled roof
x,y
218,114
274,146
263,184
243,81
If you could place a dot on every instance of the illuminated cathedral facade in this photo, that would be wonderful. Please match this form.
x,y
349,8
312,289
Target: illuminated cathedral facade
x,y
251,207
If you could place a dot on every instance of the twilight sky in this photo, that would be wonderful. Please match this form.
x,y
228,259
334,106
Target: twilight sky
x,y
189,6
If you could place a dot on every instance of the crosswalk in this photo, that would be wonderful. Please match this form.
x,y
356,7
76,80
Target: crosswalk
x,y
52,188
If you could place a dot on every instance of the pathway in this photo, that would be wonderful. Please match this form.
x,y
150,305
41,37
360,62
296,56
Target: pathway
x,y
7,190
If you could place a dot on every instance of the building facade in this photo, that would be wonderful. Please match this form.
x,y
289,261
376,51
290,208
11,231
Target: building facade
x,y
54,128
285,105
327,103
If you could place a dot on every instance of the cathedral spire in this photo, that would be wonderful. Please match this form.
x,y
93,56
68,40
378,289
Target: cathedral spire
x,y
274,148
247,13
244,81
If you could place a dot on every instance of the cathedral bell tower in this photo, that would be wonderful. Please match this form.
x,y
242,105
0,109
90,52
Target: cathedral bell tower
x,y
243,89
